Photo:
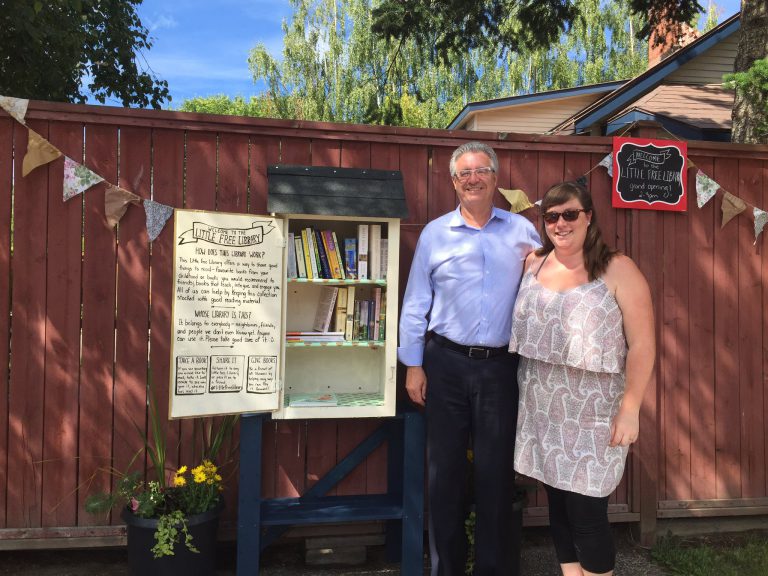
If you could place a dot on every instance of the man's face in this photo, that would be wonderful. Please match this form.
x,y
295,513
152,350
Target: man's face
x,y
475,189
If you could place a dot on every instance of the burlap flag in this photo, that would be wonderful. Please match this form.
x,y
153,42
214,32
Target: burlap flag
x,y
116,202
608,163
517,198
77,178
39,152
705,188
157,216
732,206
761,218
16,107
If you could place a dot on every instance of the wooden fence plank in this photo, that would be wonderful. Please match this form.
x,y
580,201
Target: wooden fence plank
x,y
727,436
132,320
62,338
7,127
26,395
98,336
751,323
413,165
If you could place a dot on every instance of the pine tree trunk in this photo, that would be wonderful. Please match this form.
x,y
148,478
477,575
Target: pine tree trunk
x,y
753,45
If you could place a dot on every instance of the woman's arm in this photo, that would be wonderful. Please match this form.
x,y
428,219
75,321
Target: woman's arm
x,y
633,295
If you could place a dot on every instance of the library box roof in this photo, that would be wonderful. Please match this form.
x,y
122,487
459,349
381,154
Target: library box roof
x,y
336,191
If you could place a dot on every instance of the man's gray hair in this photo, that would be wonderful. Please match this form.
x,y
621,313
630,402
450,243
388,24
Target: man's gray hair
x,y
474,147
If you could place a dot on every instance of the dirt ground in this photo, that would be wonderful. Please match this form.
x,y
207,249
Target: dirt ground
x,y
288,559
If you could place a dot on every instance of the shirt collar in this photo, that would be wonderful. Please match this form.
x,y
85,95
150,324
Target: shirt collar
x,y
457,220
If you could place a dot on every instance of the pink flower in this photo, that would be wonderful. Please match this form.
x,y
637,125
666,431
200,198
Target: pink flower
x,y
134,504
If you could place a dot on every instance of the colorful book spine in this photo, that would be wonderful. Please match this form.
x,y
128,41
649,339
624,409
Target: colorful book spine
x,y
325,266
376,312
384,258
339,256
350,257
313,254
308,261
350,322
340,320
292,269
330,250
301,267
383,317
374,252
362,251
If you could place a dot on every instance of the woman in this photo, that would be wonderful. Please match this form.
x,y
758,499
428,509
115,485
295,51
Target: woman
x,y
583,326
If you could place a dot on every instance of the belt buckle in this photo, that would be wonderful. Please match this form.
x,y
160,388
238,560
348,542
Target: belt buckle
x,y
479,352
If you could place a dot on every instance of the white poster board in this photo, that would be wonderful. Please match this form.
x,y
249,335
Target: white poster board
x,y
227,313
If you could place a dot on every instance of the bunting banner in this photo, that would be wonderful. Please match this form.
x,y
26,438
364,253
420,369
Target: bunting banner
x,y
761,218
706,188
517,199
157,216
607,162
39,152
116,202
732,206
77,178
16,107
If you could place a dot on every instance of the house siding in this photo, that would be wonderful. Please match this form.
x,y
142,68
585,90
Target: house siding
x,y
709,67
536,118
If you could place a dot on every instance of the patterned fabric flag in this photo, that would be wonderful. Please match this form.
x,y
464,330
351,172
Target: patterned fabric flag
x,y
608,163
116,202
77,178
517,199
732,206
39,152
16,107
705,188
157,216
761,218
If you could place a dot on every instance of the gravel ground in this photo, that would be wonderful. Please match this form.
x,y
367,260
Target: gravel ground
x,y
538,559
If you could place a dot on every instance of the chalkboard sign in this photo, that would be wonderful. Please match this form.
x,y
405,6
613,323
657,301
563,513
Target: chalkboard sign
x,y
649,174
227,313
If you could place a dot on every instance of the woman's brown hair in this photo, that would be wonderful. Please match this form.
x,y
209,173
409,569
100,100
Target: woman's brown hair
x,y
597,254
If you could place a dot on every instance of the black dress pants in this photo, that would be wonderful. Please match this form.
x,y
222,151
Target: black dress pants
x,y
477,399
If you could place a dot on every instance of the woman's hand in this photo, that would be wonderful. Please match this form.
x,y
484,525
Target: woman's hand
x,y
625,427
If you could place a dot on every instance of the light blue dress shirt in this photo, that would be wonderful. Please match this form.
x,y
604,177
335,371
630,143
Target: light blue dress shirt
x,y
463,282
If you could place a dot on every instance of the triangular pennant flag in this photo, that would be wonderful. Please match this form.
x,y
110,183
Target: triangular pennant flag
x,y
157,216
39,152
116,202
732,206
517,198
690,163
761,218
608,163
16,107
705,188
77,178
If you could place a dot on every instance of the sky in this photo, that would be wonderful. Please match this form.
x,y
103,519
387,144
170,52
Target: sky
x,y
201,46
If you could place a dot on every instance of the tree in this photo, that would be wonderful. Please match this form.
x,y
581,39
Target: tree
x,y
750,106
455,26
48,50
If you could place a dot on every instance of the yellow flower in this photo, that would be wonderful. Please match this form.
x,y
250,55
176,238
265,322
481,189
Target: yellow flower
x,y
181,470
179,481
199,476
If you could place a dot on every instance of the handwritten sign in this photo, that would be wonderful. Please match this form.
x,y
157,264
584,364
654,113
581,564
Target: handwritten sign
x,y
649,174
226,321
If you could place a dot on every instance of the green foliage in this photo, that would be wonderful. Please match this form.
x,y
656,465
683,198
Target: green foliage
x,y
48,49
453,27
167,534
729,557
753,84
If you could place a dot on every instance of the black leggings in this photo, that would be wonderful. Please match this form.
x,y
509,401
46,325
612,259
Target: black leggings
x,y
580,530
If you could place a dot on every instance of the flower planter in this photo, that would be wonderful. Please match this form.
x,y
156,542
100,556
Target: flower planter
x,y
141,539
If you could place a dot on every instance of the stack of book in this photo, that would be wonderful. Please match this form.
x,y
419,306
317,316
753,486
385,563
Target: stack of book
x,y
314,336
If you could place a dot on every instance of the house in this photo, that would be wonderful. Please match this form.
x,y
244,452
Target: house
x,y
681,90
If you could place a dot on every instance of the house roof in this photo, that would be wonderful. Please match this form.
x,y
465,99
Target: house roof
x,y
474,107
629,93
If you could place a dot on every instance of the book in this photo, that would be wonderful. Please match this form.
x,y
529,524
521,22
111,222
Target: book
x,y
292,269
325,308
314,336
339,256
341,310
330,250
307,259
301,267
350,320
325,266
350,257
362,251
363,324
384,258
313,399
383,317
374,251
376,312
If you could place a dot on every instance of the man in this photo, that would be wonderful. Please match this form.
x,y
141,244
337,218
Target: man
x,y
454,332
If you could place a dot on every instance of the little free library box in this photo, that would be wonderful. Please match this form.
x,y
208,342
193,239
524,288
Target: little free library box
x,y
292,305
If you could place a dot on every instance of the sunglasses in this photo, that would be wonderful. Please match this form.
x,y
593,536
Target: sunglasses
x,y
571,215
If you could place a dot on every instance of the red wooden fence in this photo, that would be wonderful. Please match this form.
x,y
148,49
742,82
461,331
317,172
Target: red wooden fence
x,y
85,310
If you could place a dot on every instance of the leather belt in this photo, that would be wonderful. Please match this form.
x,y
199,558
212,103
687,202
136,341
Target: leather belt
x,y
474,352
